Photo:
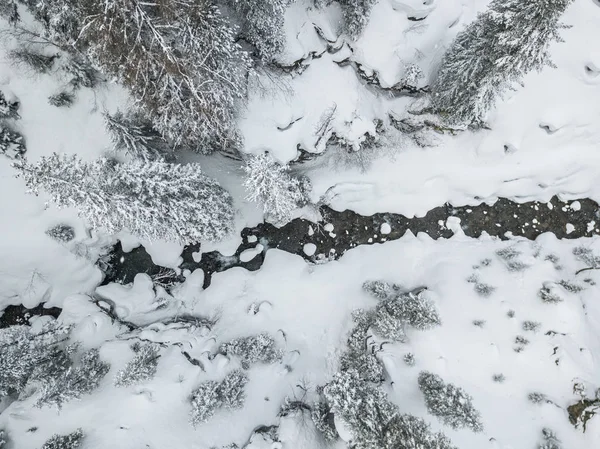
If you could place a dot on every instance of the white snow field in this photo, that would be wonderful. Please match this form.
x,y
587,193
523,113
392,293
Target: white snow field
x,y
543,141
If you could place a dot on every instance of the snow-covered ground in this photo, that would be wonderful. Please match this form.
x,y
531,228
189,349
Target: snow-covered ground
x,y
543,141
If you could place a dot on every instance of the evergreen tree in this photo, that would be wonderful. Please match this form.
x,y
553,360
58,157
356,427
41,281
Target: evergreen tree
x,y
141,368
262,24
356,15
253,349
451,404
493,53
410,432
75,382
412,308
156,200
179,59
271,184
8,109
11,143
70,441
135,136
364,363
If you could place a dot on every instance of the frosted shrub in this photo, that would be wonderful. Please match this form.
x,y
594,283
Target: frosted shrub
x,y
32,59
257,348
205,402
356,15
135,136
322,418
410,432
153,200
409,359
270,184
11,142
8,109
141,368
364,363
231,390
451,404
537,398
62,99
387,326
70,441
531,326
511,257
76,382
357,339
382,289
414,309
549,440
61,233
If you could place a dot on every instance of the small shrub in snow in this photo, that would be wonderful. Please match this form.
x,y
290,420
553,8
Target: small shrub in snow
x,y
356,15
8,109
82,73
570,287
382,289
10,12
38,62
510,313
293,407
270,183
414,309
135,136
61,233
586,256
451,404
141,368
231,390
205,402
3,438
520,340
499,378
322,417
510,256
537,398
409,359
257,348
479,323
549,440
357,339
549,295
154,200
484,290
11,143
76,382
70,441
387,326
410,432
531,326
62,99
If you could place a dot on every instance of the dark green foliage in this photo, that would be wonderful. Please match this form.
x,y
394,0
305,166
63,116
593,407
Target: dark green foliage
x,y
70,441
451,404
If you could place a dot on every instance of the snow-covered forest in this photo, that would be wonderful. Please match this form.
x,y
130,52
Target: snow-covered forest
x,y
299,224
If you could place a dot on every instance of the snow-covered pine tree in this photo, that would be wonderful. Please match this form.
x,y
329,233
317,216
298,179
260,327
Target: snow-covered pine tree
x,y
356,15
262,24
76,382
135,136
493,53
412,308
322,418
155,200
270,183
382,290
231,389
70,441
451,404
141,368
410,432
205,402
261,348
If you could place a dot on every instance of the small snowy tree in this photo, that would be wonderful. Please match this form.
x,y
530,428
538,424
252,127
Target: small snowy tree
x,y
451,404
231,389
270,183
493,53
356,15
322,418
154,200
76,382
364,363
382,290
135,136
3,438
410,432
11,143
253,349
262,24
413,308
141,368
205,402
8,109
70,441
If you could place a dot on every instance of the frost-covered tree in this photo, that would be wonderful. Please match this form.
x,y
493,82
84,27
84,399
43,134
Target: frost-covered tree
x,y
382,290
205,402
28,356
261,348
76,382
3,438
356,15
141,368
8,109
179,59
10,11
412,308
322,418
493,53
271,184
11,142
262,24
388,326
410,432
155,200
135,136
70,441
451,404
231,389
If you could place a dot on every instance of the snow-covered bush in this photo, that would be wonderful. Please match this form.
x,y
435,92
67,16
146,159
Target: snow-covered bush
x,y
537,398
410,432
61,233
382,290
205,402
8,109
532,326
549,440
82,73
30,356
451,404
75,382
70,441
365,363
322,418
3,438
409,359
357,339
141,368
154,200
271,184
412,308
10,11
493,53
231,389
388,326
62,99
135,136
11,142
356,15
253,349
32,59
262,24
